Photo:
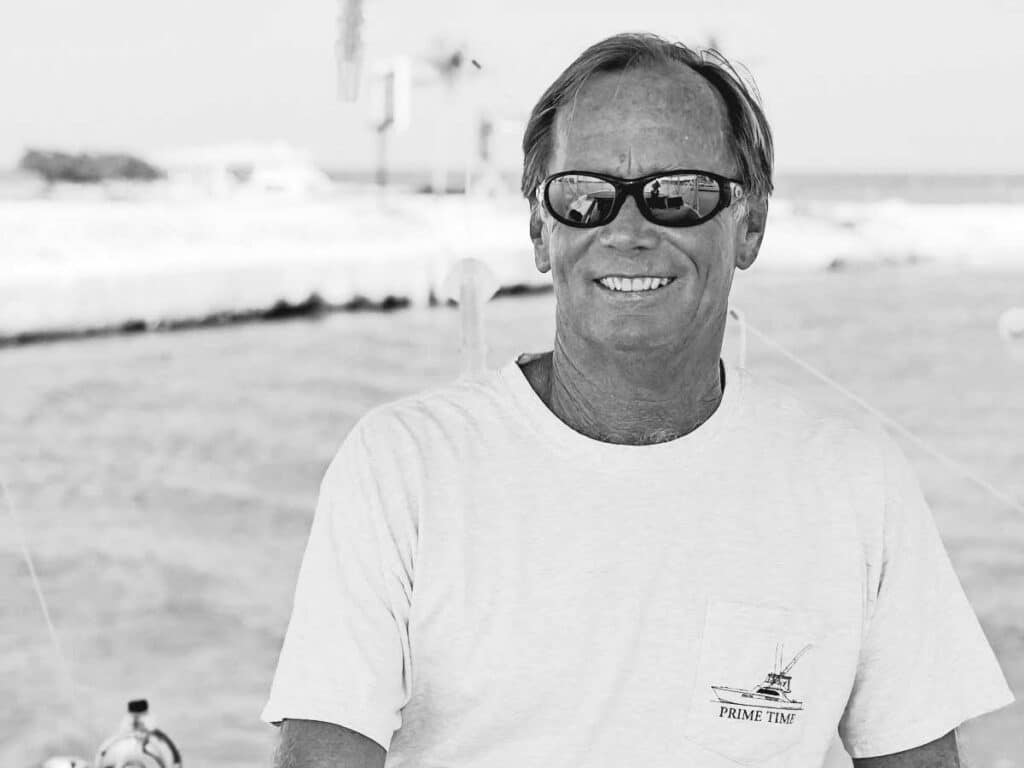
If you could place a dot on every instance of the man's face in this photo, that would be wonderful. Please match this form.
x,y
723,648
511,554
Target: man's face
x,y
630,124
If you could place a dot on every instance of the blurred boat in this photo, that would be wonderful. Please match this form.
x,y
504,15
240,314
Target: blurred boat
x,y
244,169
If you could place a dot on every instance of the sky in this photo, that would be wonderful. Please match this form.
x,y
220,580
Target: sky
x,y
871,86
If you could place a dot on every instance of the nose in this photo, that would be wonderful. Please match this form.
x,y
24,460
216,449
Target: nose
x,y
629,230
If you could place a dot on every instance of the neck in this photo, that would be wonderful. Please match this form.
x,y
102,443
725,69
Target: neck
x,y
629,400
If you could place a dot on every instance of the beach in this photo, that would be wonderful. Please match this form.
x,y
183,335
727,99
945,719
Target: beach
x,y
166,482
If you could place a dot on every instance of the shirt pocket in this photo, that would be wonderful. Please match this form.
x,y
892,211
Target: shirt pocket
x,y
753,687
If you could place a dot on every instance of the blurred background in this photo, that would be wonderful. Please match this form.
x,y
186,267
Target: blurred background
x,y
224,234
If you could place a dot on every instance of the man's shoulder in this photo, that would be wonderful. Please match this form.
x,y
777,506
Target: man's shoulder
x,y
838,447
439,411
813,417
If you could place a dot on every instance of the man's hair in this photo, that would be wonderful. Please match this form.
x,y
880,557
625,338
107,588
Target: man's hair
x,y
750,138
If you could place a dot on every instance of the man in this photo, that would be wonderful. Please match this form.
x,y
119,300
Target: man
x,y
625,552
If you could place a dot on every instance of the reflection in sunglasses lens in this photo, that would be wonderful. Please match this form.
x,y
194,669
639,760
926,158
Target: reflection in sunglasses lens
x,y
678,199
671,200
581,199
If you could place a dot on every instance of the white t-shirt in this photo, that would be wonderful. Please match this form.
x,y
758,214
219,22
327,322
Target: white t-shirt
x,y
484,587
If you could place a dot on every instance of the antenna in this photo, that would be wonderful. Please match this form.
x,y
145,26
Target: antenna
x,y
348,50
796,658
390,106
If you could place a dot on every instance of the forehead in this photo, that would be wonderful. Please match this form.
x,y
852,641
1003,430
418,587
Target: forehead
x,y
640,121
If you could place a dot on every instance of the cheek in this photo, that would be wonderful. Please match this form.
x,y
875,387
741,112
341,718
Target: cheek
x,y
709,246
567,248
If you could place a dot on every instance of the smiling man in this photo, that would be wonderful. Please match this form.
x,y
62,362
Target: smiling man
x,y
624,552
642,280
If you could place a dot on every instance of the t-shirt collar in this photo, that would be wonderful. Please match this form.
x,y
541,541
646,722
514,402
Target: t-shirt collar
x,y
561,435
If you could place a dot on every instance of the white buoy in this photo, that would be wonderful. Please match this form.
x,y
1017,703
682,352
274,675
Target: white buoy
x,y
471,283
1011,324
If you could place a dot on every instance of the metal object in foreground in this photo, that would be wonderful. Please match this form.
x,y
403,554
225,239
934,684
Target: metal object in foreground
x,y
472,284
138,743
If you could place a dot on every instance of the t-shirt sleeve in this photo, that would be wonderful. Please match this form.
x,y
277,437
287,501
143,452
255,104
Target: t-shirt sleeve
x,y
925,665
346,655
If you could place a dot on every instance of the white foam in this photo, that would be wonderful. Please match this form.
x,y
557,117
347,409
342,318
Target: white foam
x,y
161,252
894,231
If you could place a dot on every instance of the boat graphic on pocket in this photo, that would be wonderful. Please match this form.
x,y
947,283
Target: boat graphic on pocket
x,y
773,693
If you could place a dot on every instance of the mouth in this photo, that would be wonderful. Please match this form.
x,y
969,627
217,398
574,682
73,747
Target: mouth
x,y
635,285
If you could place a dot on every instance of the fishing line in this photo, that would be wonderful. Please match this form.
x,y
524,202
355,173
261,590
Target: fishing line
x,y
64,678
934,452
742,319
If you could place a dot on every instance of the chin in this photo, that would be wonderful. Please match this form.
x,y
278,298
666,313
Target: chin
x,y
636,339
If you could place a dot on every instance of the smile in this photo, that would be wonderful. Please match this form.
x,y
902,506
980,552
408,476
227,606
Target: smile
x,y
635,284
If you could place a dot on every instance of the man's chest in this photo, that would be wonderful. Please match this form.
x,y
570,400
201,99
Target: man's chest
x,y
731,615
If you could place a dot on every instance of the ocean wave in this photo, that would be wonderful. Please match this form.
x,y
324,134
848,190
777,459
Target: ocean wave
x,y
80,260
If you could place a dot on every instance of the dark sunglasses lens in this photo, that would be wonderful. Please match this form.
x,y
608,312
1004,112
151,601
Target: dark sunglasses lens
x,y
582,200
680,200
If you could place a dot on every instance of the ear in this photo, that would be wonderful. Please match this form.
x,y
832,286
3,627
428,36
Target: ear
x,y
539,235
750,231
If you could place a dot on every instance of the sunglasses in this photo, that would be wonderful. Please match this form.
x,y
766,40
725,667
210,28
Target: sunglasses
x,y
671,198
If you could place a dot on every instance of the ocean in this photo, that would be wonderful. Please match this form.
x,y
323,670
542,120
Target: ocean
x,y
805,186
908,187
166,482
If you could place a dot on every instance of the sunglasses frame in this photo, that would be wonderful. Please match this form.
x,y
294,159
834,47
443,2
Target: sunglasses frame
x,y
729,191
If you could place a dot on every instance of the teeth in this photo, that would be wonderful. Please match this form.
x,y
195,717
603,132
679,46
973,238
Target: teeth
x,y
634,284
